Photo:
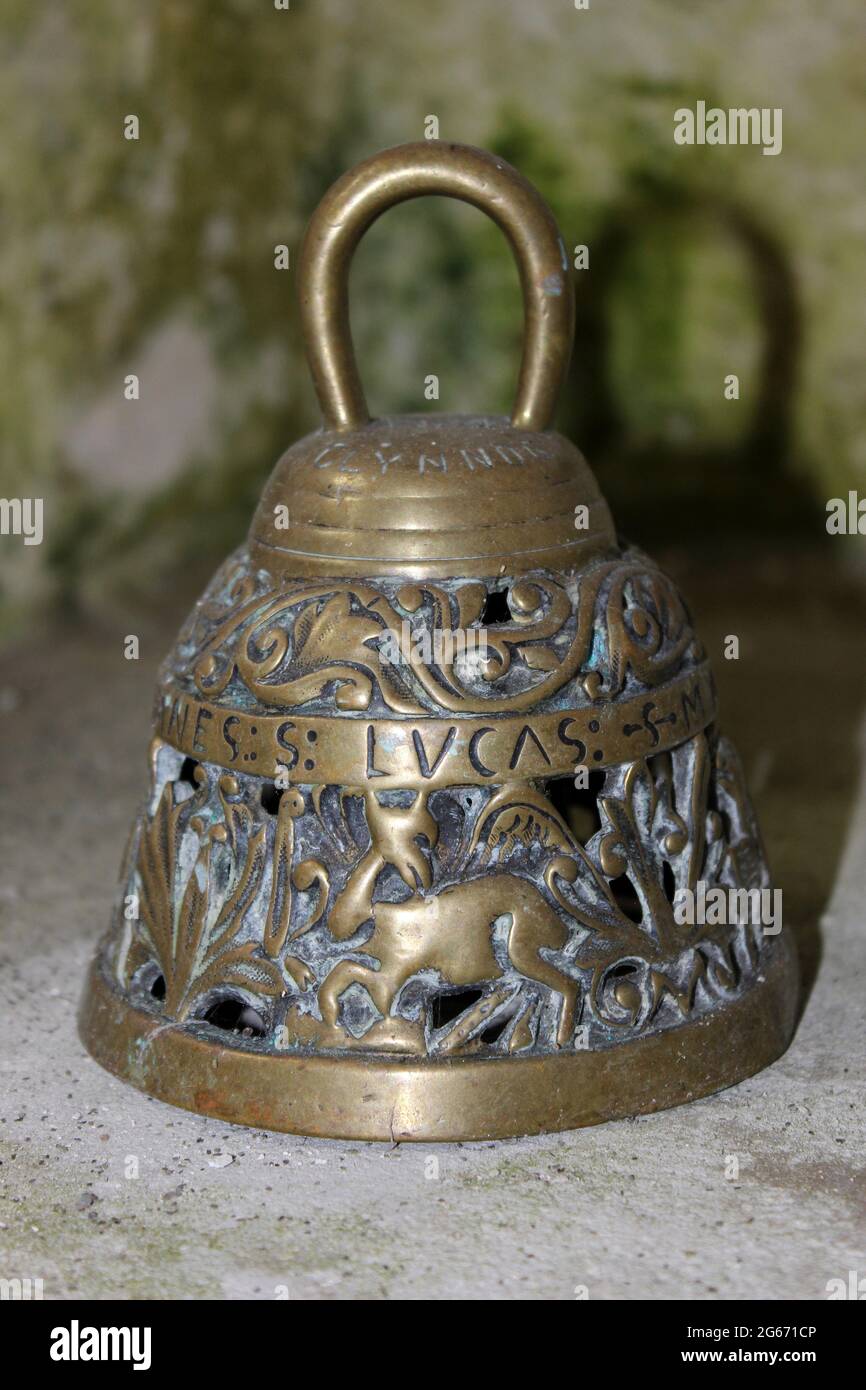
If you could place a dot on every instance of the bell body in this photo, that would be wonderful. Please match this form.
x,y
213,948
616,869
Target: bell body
x,y
441,840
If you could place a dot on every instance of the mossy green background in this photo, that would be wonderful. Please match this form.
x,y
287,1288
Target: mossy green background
x,y
156,257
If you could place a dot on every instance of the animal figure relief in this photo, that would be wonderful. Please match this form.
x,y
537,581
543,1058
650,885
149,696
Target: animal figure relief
x,y
394,835
450,932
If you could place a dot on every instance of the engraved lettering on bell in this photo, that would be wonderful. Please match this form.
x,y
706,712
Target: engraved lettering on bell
x,y
372,897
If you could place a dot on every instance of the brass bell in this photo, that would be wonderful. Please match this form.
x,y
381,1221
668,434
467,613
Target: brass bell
x,y
442,840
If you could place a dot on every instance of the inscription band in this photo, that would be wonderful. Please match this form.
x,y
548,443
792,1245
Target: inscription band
x,y
319,749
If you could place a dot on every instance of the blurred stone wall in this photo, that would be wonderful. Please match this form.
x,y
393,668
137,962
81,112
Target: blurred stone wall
x,y
156,256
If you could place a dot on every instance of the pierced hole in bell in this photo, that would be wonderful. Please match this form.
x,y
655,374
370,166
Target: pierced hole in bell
x,y
714,803
626,898
157,988
450,1005
578,806
271,797
494,1032
622,972
669,883
496,610
236,1016
187,772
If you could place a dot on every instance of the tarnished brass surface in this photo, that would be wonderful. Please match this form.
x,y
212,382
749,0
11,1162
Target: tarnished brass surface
x,y
412,497
438,752
391,1099
433,760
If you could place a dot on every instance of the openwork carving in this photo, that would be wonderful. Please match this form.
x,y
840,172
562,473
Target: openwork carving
x,y
203,860
459,920
327,646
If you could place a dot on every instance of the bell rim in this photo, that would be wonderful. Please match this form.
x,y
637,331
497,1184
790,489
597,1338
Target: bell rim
x,y
387,1098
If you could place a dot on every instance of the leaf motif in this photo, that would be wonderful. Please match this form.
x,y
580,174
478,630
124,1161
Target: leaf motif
x,y
519,813
335,633
193,939
539,658
242,969
189,934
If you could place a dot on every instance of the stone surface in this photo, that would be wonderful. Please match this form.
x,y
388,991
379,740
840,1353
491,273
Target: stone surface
x,y
639,1209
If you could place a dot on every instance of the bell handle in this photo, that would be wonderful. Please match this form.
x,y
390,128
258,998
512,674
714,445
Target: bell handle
x,y
354,202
